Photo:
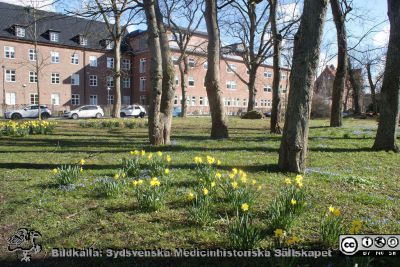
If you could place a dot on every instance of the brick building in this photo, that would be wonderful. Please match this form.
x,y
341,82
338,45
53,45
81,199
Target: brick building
x,y
76,60
74,55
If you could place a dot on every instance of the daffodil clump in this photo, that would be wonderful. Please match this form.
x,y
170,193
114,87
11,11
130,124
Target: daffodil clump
x,y
158,163
242,232
331,227
131,165
200,200
288,204
19,129
238,188
206,169
282,239
114,123
150,193
68,174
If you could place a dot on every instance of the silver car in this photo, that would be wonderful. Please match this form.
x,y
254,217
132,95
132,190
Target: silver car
x,y
133,110
31,111
89,111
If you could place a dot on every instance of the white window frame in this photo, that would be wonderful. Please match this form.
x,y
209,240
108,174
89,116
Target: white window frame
x,y
32,77
191,80
110,81
191,63
142,84
55,57
20,32
92,61
83,40
55,78
126,82
267,74
75,99
11,100
93,80
193,101
110,99
54,37
75,79
34,97
231,85
126,64
57,99
91,100
75,59
267,88
142,65
9,52
110,62
32,54
10,75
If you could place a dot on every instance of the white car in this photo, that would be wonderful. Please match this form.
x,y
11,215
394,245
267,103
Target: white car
x,y
90,111
31,111
133,110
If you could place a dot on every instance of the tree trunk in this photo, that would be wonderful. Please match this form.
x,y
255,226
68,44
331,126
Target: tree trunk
x,y
117,78
184,69
373,91
251,86
219,128
168,88
154,117
276,98
293,149
341,71
389,105
355,84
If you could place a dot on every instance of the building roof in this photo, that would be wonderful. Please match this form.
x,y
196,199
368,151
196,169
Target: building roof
x,y
68,27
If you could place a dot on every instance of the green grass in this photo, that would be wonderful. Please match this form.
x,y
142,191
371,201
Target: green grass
x,y
342,172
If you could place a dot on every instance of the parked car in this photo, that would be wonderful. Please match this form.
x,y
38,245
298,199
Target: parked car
x,y
267,114
176,112
133,110
90,111
31,111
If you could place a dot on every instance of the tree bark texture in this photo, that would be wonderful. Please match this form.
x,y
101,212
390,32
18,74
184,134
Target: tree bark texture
x,y
293,149
184,70
251,86
372,86
356,85
389,105
341,71
219,128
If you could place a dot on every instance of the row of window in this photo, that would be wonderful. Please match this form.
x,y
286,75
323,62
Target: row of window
x,y
11,98
9,53
228,101
10,76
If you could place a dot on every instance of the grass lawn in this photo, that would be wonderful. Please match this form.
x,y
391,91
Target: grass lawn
x,y
342,172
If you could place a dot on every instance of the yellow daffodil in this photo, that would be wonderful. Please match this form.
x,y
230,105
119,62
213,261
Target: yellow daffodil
x,y
135,153
116,176
210,160
166,171
292,240
234,171
234,185
149,156
198,160
168,158
81,169
253,182
213,184
243,179
298,178
135,183
231,175
142,153
159,153
55,171
218,175
205,191
82,162
155,182
288,181
356,227
299,184
245,207
336,212
331,209
259,188
123,175
140,181
278,233
293,202
218,162
190,196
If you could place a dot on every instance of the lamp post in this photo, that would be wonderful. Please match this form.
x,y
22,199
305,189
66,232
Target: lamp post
x,y
108,98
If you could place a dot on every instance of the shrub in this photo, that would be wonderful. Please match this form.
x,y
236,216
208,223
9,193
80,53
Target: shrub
x,y
242,234
287,205
253,115
150,194
331,227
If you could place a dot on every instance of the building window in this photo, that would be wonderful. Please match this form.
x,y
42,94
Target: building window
x,y
244,102
126,64
110,62
175,100
143,100
55,99
92,80
54,36
32,54
11,76
175,60
205,65
9,52
55,57
32,77
109,44
201,101
11,98
142,84
75,100
267,88
110,81
20,32
75,79
283,76
83,40
191,81
34,99
269,102
55,78
192,63
75,59
126,82
93,99
231,85
110,99
142,43
176,80
126,100
267,74
231,68
93,61
193,101
142,65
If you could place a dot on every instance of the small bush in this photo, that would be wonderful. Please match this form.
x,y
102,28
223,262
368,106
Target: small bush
x,y
253,115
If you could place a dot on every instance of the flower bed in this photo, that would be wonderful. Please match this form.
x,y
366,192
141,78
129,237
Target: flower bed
x,y
19,129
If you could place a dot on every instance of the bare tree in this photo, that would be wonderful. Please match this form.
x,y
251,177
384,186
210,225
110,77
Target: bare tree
x,y
340,8
389,106
219,128
117,15
189,13
293,149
